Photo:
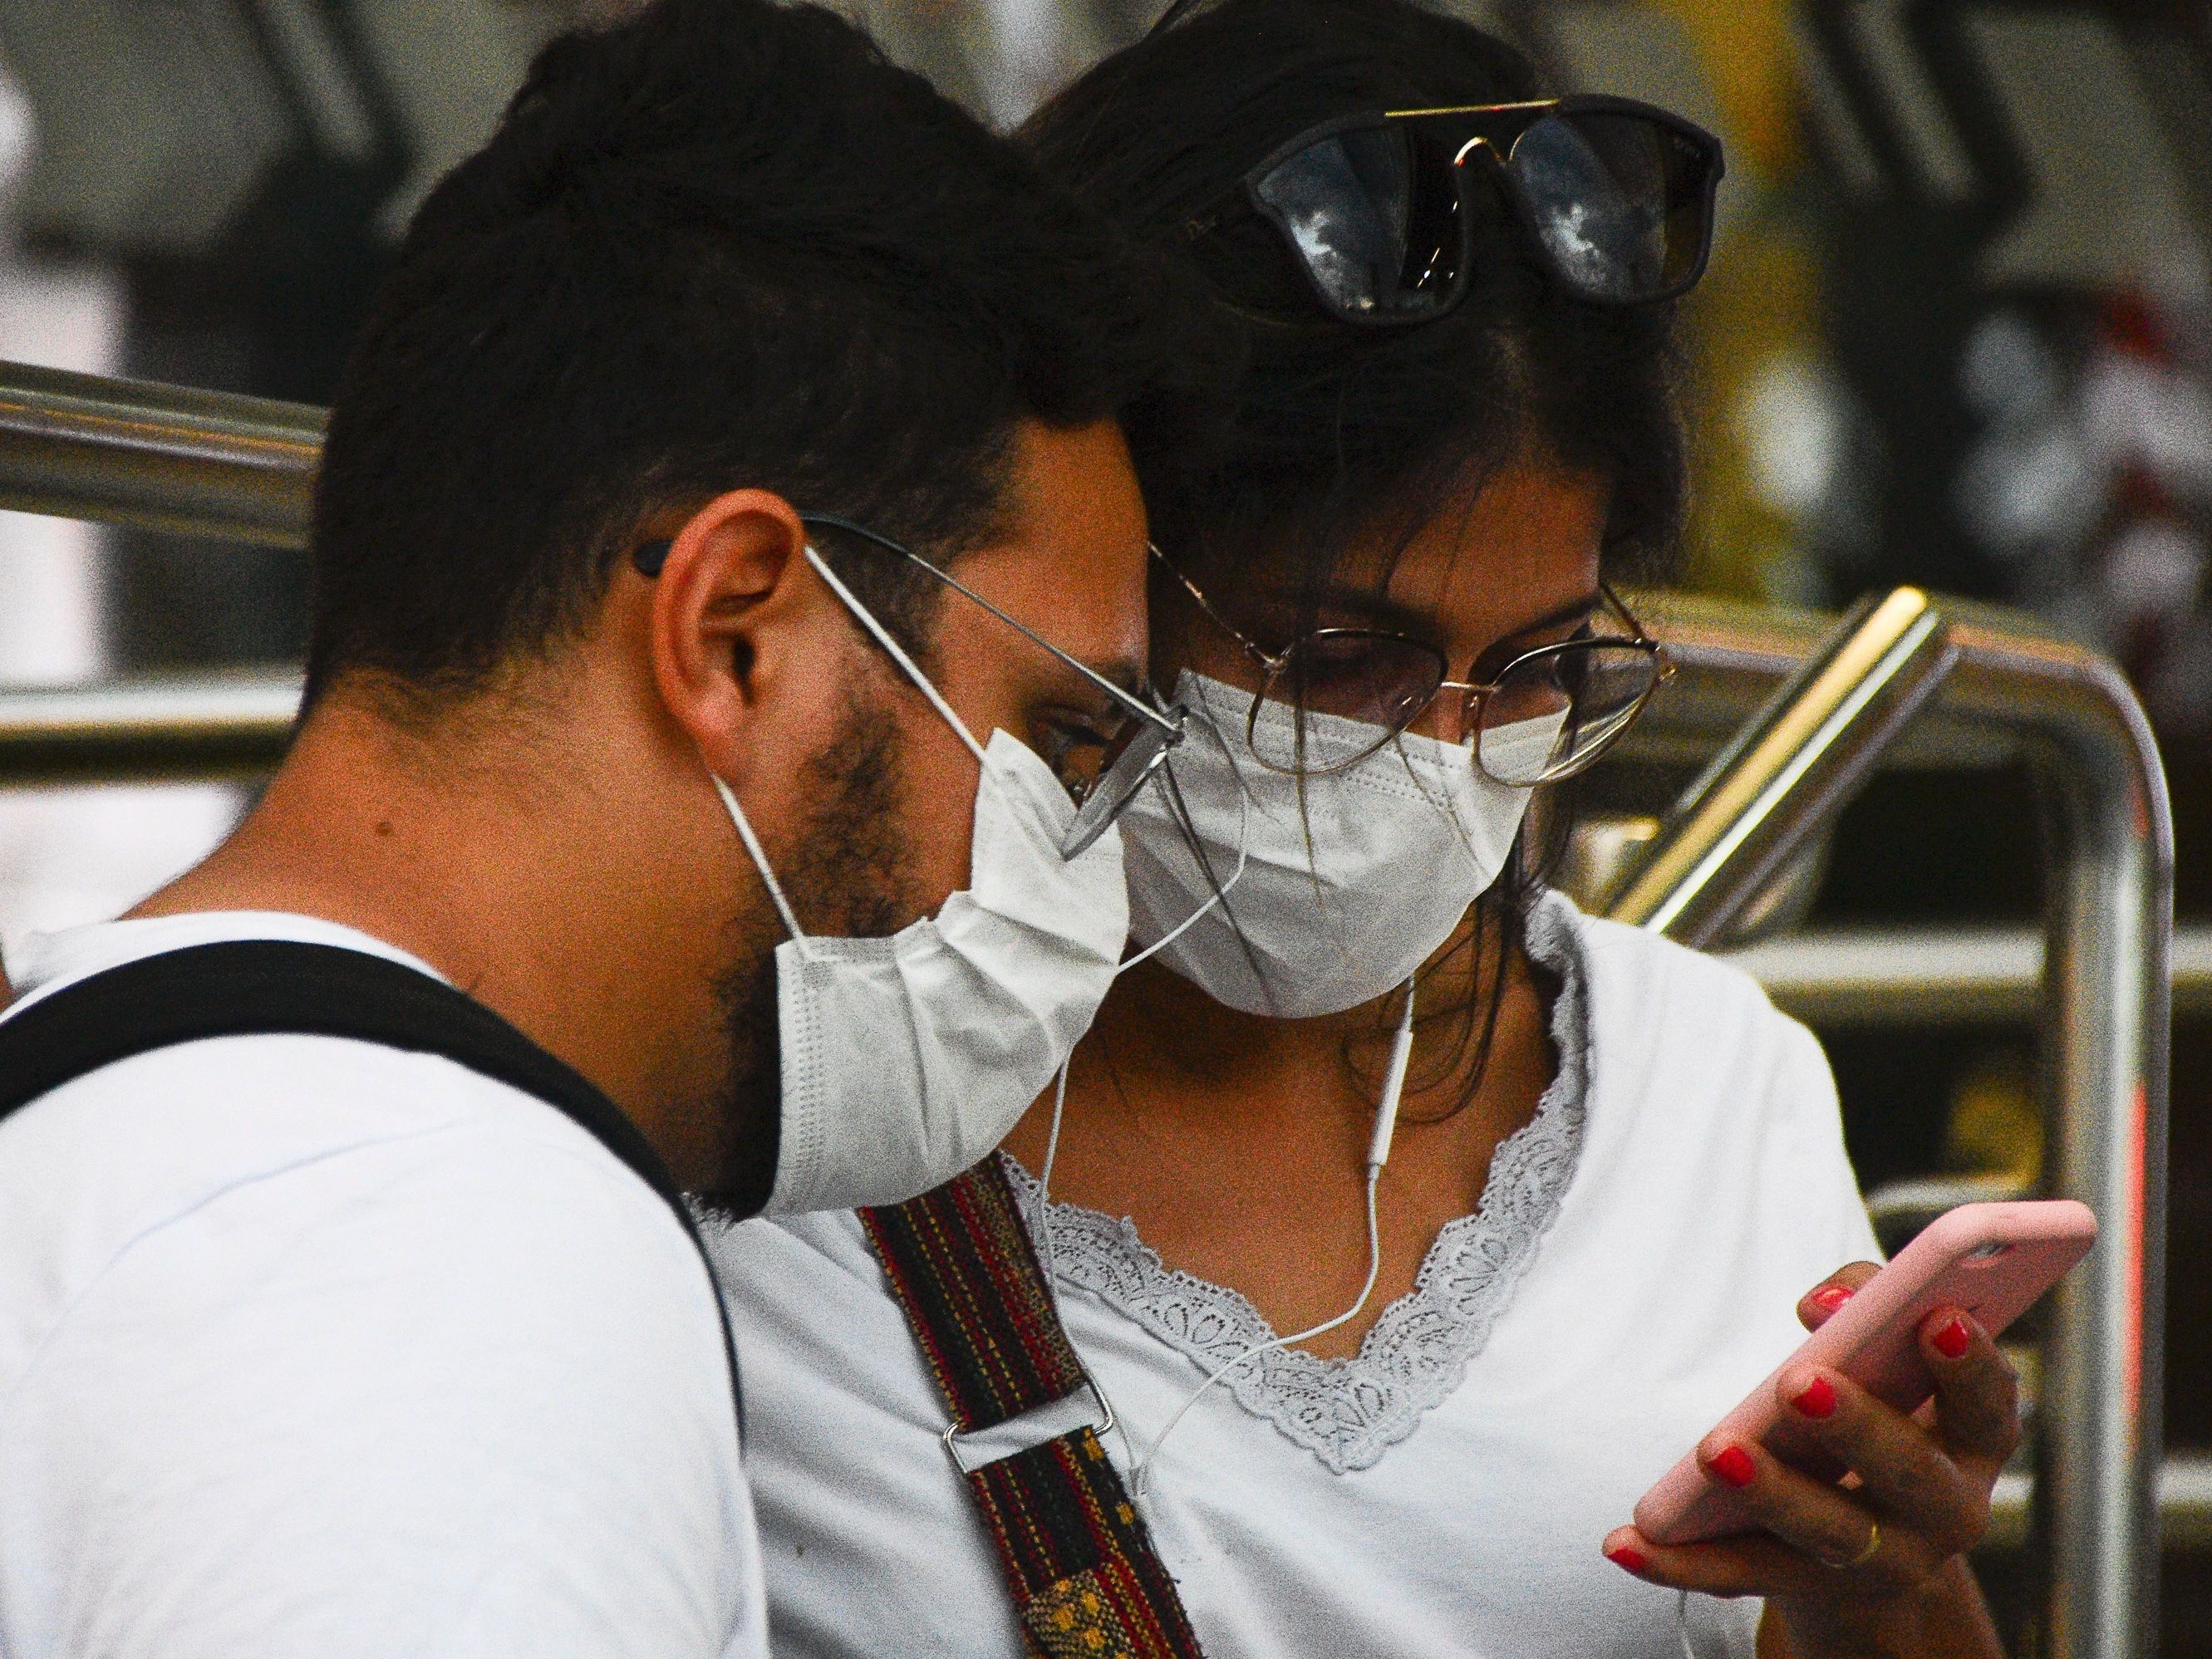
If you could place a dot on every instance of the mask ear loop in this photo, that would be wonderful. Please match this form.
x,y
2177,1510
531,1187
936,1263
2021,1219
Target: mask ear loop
x,y
759,858
898,655
882,636
1041,1219
1378,1154
1682,1623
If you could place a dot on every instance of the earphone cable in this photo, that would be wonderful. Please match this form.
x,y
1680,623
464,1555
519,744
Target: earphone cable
x,y
1378,1154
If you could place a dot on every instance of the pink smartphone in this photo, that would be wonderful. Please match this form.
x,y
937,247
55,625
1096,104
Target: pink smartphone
x,y
1992,1260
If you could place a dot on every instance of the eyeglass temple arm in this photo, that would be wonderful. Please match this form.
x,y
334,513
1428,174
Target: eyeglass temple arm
x,y
1258,654
1133,704
1658,647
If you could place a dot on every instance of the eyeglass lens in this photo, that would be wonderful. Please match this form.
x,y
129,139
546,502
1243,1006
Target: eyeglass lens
x,y
1552,712
1357,690
1618,201
1549,713
1103,778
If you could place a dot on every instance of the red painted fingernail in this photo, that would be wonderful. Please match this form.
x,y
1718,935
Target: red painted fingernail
x,y
1953,1340
1633,1560
1834,1297
1818,1399
1735,1465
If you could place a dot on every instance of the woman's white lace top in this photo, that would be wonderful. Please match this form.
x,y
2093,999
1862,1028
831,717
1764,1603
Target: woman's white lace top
x,y
1633,1269
1349,1413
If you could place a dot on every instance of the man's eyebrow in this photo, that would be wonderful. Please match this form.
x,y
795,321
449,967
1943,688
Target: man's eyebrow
x,y
1125,673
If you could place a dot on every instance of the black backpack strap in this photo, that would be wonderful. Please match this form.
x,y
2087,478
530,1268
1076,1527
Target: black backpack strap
x,y
268,988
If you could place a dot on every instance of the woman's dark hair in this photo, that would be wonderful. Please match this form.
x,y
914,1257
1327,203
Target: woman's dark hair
x,y
725,244
1345,436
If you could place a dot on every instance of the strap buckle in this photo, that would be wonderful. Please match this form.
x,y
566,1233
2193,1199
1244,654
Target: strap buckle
x,y
1032,1429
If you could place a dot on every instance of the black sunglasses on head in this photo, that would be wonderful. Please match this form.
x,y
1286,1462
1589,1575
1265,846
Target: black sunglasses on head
x,y
1380,208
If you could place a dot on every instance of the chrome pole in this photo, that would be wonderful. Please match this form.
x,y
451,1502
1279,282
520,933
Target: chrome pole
x,y
209,726
161,457
2109,857
2108,920
1788,771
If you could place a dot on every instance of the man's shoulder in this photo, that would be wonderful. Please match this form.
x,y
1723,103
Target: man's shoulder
x,y
261,1105
415,1341
176,1123
255,1158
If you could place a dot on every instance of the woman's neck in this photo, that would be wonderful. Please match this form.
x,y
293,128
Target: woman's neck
x,y
1237,1142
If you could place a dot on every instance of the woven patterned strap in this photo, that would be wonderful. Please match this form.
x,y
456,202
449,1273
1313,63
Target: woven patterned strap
x,y
1078,1560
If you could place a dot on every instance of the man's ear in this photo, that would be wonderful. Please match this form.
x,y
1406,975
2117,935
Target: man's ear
x,y
731,609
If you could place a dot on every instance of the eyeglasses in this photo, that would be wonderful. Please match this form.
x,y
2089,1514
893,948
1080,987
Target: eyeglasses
x,y
1102,768
1380,208
1545,714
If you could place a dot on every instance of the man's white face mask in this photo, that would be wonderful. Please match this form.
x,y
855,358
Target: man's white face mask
x,y
907,1058
1351,878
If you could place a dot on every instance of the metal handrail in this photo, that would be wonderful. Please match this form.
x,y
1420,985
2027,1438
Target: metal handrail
x,y
110,450
1787,770
1942,975
162,457
197,727
2013,694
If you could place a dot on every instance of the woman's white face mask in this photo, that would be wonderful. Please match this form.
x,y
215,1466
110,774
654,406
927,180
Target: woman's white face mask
x,y
1352,879
907,1058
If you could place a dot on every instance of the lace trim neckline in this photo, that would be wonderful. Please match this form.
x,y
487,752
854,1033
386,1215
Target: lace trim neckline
x,y
1348,1413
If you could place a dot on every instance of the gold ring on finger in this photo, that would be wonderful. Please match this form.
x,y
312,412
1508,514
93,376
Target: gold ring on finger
x,y
1867,1554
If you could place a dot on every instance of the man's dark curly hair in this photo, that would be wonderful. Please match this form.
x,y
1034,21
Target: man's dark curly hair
x,y
725,244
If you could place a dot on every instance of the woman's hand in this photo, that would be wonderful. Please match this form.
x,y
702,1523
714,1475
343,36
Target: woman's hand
x,y
1871,1565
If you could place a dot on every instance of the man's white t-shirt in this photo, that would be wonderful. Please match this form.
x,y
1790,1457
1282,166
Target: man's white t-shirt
x,y
1632,1272
310,1347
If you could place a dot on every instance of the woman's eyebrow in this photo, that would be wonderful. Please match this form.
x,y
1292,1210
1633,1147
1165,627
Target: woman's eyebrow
x,y
1573,611
1378,611
1365,605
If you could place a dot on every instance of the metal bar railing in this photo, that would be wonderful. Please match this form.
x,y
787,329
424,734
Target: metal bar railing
x,y
211,725
162,457
1787,770
240,468
2011,694
1957,976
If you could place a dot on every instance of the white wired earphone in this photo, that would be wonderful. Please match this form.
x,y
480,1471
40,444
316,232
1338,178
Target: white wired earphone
x,y
1378,1154
1040,1221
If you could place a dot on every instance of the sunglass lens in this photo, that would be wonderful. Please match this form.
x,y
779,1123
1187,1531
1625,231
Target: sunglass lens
x,y
1618,201
1377,233
1340,695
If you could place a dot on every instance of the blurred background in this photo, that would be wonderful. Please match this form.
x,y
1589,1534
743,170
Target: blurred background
x,y
1957,332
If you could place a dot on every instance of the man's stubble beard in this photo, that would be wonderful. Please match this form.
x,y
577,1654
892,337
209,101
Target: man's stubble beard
x,y
847,877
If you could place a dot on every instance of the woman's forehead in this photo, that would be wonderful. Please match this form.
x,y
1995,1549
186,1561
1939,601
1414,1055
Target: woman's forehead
x,y
1522,551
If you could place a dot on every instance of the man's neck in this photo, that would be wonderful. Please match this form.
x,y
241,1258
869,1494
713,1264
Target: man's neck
x,y
515,875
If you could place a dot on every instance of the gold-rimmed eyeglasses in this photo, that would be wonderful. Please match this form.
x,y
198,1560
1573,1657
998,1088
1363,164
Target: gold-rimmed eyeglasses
x,y
1334,696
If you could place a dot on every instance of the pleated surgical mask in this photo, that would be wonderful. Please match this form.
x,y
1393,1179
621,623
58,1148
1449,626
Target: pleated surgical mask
x,y
906,1060
1351,878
